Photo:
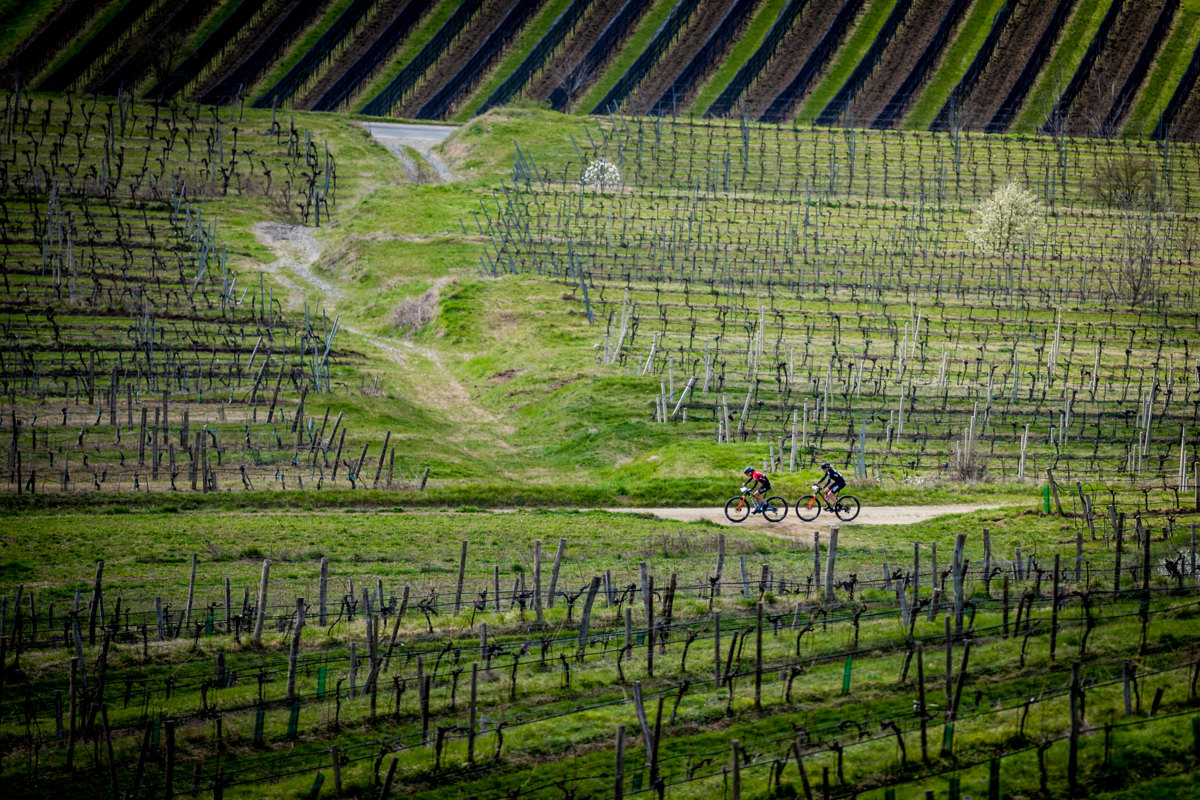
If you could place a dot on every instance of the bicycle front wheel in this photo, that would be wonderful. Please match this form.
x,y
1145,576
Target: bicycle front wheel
x,y
737,509
808,508
847,507
775,509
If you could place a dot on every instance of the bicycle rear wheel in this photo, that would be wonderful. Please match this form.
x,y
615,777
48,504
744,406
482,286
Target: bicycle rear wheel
x,y
847,507
808,508
775,509
737,509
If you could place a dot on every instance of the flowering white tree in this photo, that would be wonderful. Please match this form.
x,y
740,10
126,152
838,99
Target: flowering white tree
x,y
601,175
1006,219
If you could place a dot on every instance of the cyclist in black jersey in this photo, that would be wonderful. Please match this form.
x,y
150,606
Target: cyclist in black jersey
x,y
834,483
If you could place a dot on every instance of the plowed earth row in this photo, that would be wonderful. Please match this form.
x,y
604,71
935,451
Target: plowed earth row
x,y
1119,53
901,54
793,51
384,14
1012,53
706,17
132,61
1187,121
248,43
476,33
593,22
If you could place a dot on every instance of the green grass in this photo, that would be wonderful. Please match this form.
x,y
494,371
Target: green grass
x,y
636,42
760,25
1064,61
1166,72
425,31
513,56
846,58
972,33
297,49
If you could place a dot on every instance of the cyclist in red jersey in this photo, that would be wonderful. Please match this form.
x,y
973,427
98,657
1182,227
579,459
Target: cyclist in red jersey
x,y
761,484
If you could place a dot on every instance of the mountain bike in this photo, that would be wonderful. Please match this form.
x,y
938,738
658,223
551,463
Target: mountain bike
x,y
738,508
810,506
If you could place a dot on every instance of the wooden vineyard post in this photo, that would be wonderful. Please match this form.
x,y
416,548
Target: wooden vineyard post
x,y
921,701
472,717
187,611
817,560
916,576
587,617
96,599
735,783
496,588
382,454
1004,601
462,569
537,582
72,692
169,779
987,563
558,557
716,649
1076,724
1054,491
1054,608
261,610
1120,537
960,542
294,650
758,656
323,592
830,563
619,773
1144,537
650,626
721,564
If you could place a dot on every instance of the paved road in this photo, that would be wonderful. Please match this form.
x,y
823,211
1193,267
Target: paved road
x,y
395,136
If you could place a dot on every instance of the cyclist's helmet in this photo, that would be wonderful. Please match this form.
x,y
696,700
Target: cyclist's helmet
x,y
825,465
748,470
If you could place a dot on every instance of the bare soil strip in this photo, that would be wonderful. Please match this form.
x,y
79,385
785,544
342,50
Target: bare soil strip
x,y
793,51
1012,53
792,526
1116,61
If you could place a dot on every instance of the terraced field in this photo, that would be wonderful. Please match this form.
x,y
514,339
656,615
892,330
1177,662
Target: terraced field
x,y
1093,64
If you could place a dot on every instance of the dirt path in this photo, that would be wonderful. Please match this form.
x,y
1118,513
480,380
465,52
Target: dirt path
x,y
792,527
296,251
